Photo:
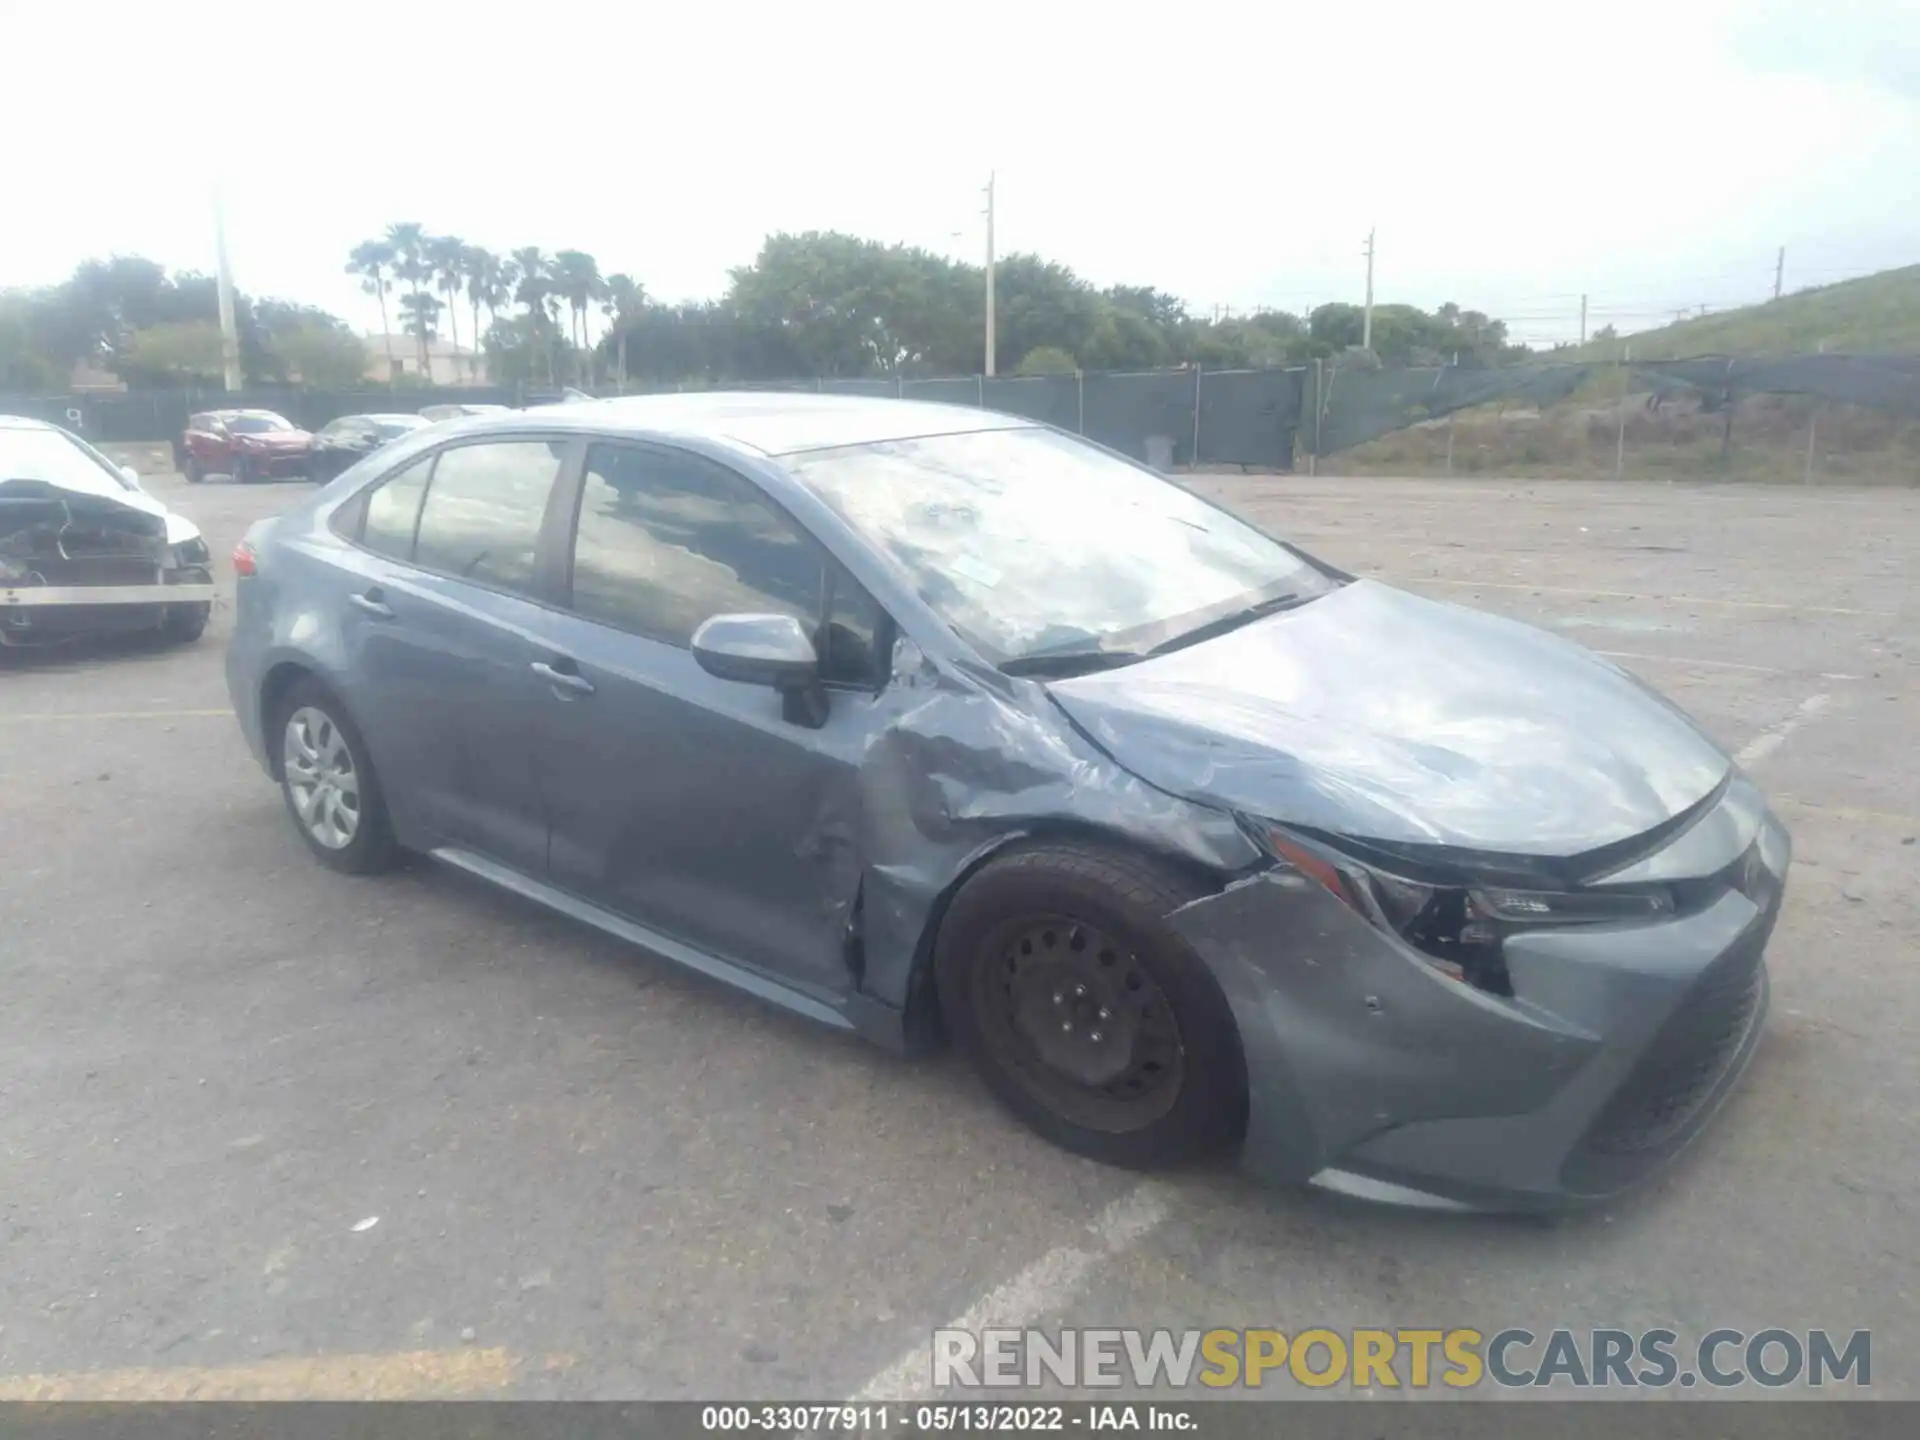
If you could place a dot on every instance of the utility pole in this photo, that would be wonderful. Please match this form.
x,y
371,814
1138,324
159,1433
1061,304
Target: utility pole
x,y
229,335
1583,319
1779,271
990,341
1366,317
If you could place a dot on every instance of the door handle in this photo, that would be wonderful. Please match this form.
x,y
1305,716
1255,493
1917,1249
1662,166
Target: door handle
x,y
373,604
570,680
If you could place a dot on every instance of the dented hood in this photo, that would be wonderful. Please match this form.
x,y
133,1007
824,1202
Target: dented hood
x,y
1377,714
83,489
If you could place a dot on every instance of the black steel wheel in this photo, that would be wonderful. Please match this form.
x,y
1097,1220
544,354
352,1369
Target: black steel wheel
x,y
1085,1013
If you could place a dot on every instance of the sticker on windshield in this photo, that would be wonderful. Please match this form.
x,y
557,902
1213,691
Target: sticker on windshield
x,y
978,571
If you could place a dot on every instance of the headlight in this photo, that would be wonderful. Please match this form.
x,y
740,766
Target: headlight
x,y
1458,927
191,552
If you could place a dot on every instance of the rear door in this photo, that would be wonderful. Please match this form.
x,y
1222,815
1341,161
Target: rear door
x,y
440,619
688,803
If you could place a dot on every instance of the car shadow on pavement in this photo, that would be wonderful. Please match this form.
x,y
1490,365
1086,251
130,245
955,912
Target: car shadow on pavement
x,y
85,651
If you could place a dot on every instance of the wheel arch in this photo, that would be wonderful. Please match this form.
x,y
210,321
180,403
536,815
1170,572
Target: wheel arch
x,y
275,686
923,1025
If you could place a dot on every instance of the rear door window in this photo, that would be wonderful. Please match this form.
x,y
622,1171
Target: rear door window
x,y
393,512
484,508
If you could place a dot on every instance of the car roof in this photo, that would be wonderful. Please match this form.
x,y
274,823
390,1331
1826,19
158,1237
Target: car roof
x,y
388,416
24,422
772,422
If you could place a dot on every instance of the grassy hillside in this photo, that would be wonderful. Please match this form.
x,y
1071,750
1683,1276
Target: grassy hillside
x,y
1874,313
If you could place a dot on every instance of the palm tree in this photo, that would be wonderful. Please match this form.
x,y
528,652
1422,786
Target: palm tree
x,y
409,242
577,279
489,283
419,310
371,260
447,259
622,303
533,288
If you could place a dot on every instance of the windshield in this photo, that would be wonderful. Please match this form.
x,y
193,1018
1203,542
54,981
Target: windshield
x,y
58,459
257,424
401,425
1029,542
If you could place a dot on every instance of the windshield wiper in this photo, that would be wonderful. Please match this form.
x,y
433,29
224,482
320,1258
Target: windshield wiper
x,y
1062,664
1225,623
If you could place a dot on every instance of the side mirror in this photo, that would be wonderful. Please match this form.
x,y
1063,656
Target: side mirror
x,y
757,650
130,475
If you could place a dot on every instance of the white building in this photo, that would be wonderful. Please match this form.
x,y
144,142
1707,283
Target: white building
x,y
447,363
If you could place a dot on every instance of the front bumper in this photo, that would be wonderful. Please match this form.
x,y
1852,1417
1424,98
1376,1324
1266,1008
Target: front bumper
x,y
274,464
36,613
1371,1073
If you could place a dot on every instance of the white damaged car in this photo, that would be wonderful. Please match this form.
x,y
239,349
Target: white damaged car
x,y
85,551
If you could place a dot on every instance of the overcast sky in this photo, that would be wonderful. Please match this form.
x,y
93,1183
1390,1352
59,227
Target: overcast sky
x,y
1650,153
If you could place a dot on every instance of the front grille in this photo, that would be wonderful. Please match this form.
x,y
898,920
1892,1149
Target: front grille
x,y
1688,1056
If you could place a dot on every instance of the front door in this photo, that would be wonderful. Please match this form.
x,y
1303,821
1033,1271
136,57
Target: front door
x,y
441,619
688,803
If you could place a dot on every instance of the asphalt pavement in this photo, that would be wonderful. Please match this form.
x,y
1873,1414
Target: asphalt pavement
x,y
266,1130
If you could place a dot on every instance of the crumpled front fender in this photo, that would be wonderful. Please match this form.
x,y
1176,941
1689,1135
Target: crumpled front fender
x,y
1347,1034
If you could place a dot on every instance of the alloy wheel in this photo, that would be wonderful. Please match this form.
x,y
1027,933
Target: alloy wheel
x,y
322,778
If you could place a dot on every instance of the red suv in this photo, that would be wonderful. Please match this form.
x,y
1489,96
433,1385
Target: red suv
x,y
247,445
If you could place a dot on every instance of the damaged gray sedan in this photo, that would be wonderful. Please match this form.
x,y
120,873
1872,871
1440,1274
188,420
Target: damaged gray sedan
x,y
924,721
85,551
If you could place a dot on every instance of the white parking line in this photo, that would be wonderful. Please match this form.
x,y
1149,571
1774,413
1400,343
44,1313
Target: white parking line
x,y
1414,581
1712,664
1774,736
1045,1285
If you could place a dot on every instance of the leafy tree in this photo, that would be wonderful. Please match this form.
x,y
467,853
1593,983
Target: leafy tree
x,y
330,357
24,365
175,353
1047,360
372,261
1338,325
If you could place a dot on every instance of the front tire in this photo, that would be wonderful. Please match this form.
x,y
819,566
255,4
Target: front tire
x,y
193,472
185,624
1085,1013
242,472
328,782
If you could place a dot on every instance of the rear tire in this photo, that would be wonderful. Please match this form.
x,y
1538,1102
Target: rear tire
x,y
328,782
1085,1013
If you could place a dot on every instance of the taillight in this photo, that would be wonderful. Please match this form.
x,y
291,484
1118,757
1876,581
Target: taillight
x,y
244,559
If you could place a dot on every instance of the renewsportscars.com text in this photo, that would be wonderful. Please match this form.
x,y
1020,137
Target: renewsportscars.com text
x,y
1367,1359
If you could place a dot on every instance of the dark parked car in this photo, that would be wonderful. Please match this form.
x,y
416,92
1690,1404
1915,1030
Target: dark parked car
x,y
84,550
245,445
351,438
920,719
